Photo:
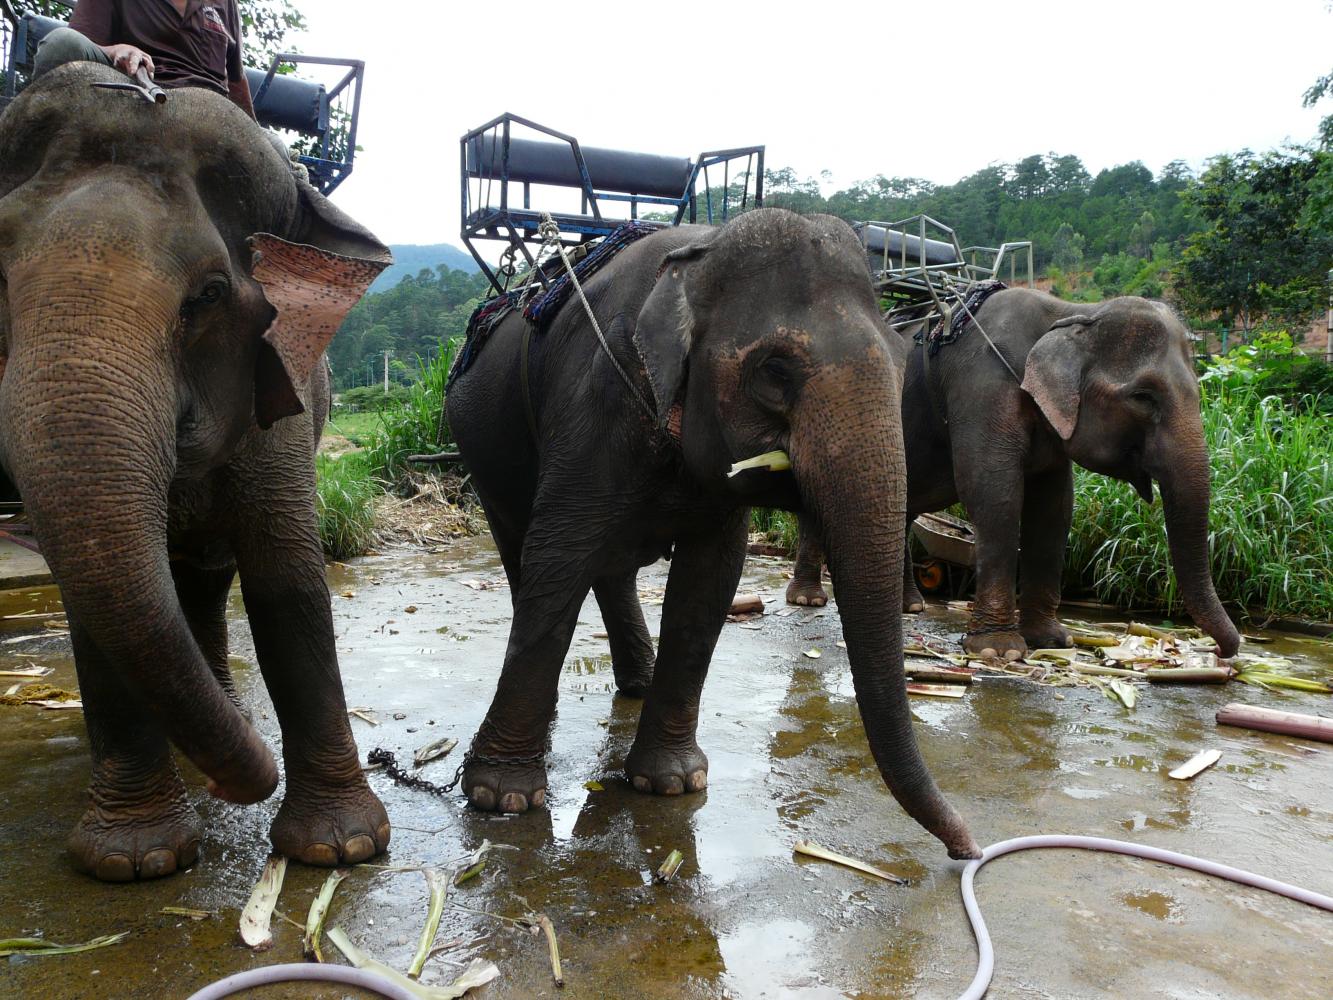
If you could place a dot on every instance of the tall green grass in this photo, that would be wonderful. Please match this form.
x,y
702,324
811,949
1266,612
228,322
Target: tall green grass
x,y
345,492
419,425
778,526
1270,522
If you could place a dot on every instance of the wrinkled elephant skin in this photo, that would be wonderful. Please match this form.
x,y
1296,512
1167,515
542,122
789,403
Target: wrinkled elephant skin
x,y
760,336
1109,386
163,390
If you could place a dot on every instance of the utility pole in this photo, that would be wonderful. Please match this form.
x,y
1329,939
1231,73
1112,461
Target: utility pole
x,y
386,372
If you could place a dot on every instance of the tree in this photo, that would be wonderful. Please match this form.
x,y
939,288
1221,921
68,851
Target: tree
x,y
1067,249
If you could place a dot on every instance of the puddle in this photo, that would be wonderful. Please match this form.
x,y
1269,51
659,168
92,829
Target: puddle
x,y
788,760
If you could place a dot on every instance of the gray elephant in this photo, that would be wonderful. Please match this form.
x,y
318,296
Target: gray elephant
x,y
1109,386
166,292
723,344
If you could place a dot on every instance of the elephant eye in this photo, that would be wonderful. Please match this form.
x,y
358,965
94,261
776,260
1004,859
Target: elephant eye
x,y
212,292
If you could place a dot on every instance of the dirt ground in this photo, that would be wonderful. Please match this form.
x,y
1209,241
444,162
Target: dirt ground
x,y
745,918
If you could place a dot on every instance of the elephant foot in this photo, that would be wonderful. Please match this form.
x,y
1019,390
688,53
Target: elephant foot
x,y
1047,634
633,681
1006,645
913,602
806,593
494,785
664,771
328,824
123,838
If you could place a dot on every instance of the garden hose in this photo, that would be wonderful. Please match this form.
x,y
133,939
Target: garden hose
x,y
986,953
303,972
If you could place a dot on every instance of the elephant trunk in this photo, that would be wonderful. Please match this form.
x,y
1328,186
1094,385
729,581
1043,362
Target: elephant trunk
x,y
89,406
849,462
1185,494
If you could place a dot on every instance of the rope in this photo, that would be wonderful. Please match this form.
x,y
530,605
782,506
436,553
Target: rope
x,y
986,952
962,301
551,234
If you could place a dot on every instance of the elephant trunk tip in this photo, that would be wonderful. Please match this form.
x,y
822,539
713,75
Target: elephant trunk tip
x,y
958,840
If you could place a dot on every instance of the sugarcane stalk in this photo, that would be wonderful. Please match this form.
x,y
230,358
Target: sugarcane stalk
x,y
1100,671
259,910
1189,675
548,928
930,672
1270,720
439,892
319,911
37,947
667,870
1093,640
477,974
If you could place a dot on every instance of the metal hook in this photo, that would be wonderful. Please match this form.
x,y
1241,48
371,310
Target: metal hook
x,y
143,86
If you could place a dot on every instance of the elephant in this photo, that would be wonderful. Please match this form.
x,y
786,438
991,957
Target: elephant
x,y
167,289
1111,387
592,459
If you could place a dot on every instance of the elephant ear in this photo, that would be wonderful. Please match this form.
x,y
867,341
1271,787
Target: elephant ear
x,y
311,285
1053,372
664,331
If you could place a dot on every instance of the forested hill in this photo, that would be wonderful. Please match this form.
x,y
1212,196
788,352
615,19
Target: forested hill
x,y
410,258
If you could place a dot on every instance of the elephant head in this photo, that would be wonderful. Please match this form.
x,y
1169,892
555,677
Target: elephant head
x,y
1117,384
165,286
767,335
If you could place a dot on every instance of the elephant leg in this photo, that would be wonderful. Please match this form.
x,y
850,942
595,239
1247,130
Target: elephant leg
x,y
329,815
632,652
203,596
807,581
705,570
912,599
139,822
995,503
505,768
1048,507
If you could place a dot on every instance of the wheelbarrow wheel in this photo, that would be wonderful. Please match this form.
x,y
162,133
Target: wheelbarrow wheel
x,y
930,575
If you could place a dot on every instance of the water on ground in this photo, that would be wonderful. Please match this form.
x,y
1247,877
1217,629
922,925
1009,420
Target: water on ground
x,y
744,918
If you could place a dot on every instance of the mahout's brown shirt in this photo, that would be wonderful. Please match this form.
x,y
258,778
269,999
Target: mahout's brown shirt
x,y
200,48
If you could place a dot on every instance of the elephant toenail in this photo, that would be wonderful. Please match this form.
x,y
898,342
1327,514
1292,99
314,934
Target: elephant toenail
x,y
157,863
323,855
988,651
482,797
672,785
697,781
358,849
1012,654
642,784
513,802
115,868
539,798
383,835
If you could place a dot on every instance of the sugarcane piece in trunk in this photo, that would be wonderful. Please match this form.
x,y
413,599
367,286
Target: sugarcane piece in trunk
x,y
1270,720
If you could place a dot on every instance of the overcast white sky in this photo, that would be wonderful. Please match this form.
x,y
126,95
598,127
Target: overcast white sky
x,y
933,89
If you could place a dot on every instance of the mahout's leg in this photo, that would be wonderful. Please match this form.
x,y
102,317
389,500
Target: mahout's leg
x,y
705,569
807,581
329,815
1048,508
139,822
632,652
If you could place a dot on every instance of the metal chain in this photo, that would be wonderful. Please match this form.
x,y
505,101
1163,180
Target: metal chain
x,y
389,761
551,233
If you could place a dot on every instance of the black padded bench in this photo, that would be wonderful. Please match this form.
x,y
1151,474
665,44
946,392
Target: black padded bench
x,y
902,246
493,163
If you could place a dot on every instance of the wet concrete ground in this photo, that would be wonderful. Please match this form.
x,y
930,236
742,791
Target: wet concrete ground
x,y
744,918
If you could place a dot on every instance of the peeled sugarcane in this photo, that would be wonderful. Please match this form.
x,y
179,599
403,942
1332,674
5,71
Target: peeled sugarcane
x,y
1189,675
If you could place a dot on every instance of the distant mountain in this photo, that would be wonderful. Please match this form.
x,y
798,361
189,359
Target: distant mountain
x,y
411,258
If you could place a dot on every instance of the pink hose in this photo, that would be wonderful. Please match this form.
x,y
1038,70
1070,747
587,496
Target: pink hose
x,y
303,971
986,954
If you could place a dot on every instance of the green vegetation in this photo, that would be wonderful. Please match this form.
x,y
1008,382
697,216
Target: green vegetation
x,y
345,503
420,423
1271,520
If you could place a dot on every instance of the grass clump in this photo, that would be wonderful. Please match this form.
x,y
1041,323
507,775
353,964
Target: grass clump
x,y
779,527
345,492
1270,522
419,424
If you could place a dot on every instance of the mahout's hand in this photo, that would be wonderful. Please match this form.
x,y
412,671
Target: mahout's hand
x,y
128,59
